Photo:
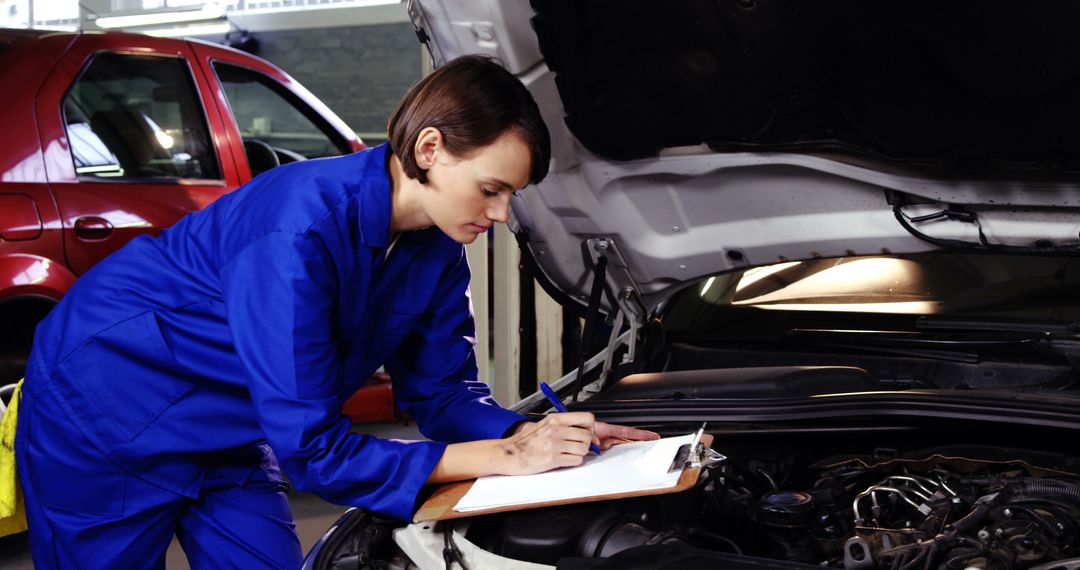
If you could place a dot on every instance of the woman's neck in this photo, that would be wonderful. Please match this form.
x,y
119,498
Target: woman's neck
x,y
406,209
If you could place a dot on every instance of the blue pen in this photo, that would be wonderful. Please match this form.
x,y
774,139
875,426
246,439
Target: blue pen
x,y
559,407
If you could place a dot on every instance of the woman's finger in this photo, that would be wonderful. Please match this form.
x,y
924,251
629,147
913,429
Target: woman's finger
x,y
581,419
606,430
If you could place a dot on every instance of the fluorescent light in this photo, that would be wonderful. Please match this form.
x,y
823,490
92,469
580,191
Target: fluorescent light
x,y
313,5
157,18
181,31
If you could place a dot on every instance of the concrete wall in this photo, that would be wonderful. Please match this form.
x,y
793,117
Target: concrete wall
x,y
360,71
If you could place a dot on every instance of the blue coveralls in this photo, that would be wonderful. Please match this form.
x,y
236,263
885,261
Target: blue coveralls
x,y
155,386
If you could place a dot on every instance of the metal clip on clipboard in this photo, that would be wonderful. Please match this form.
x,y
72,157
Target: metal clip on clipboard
x,y
695,455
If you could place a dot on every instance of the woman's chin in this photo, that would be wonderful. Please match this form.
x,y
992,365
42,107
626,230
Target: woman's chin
x,y
462,236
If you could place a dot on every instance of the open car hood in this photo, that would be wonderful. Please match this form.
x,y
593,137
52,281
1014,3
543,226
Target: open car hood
x,y
699,137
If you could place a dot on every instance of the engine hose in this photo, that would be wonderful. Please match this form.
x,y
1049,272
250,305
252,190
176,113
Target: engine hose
x,y
1031,485
1057,508
962,555
1038,519
972,519
695,531
1052,487
914,562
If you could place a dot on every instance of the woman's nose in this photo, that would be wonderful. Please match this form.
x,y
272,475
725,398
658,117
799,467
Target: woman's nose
x,y
500,212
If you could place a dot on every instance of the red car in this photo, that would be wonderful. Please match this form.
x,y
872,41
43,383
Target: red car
x,y
110,136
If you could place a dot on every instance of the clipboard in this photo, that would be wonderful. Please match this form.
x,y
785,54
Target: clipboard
x,y
440,505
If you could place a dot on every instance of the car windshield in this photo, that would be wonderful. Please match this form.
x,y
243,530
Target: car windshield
x,y
998,286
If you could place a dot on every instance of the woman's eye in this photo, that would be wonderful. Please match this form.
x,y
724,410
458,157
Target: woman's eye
x,y
489,193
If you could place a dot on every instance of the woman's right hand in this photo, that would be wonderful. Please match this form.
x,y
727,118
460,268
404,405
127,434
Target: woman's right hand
x,y
557,440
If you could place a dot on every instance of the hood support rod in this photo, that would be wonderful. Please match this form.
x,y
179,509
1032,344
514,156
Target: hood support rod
x,y
592,316
627,303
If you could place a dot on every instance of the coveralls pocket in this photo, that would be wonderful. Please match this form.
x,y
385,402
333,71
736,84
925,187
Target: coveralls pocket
x,y
394,326
65,471
128,373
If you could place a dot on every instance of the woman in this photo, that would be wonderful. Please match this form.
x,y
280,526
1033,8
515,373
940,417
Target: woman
x,y
166,387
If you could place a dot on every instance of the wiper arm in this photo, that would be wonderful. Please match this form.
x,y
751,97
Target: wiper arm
x,y
951,348
886,342
947,355
972,324
918,338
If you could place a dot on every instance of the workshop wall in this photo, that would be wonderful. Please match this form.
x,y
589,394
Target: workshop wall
x,y
360,72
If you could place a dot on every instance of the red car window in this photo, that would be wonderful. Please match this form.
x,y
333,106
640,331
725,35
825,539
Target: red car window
x,y
138,117
275,125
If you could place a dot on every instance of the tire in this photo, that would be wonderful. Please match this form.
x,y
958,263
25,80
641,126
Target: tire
x,y
12,367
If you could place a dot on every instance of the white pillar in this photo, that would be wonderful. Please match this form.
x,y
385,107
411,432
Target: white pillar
x,y
504,383
549,326
477,253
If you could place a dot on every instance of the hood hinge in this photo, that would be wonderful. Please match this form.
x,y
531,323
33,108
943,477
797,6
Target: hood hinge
x,y
631,310
420,26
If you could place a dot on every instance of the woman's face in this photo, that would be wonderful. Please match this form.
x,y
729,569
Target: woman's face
x,y
468,194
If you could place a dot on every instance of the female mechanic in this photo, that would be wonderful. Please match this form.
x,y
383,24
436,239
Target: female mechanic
x,y
175,377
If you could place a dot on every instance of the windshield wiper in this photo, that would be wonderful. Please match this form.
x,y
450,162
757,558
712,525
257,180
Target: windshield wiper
x,y
952,347
973,324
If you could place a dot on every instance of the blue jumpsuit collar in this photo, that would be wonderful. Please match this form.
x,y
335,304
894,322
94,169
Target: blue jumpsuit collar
x,y
375,210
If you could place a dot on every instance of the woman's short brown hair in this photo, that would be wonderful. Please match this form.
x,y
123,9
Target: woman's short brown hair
x,y
471,100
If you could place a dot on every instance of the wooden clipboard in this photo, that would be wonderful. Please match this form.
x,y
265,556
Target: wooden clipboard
x,y
440,506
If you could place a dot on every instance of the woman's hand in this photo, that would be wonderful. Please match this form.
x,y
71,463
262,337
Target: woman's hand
x,y
606,435
557,440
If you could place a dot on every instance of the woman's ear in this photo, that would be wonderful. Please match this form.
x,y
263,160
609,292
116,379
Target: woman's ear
x,y
428,144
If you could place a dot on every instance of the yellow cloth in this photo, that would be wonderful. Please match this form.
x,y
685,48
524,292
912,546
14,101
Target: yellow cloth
x,y
12,510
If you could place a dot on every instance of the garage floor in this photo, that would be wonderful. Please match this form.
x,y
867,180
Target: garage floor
x,y
313,515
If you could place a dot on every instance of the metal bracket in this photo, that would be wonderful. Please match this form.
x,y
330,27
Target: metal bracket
x,y
631,310
695,454
421,26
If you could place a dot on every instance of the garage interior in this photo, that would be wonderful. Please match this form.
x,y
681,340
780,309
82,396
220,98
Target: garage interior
x,y
358,57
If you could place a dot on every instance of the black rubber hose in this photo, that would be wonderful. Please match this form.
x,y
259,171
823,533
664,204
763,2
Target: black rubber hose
x,y
1048,487
924,550
1031,485
971,520
962,555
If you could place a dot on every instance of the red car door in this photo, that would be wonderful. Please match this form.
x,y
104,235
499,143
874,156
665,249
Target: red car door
x,y
133,141
270,118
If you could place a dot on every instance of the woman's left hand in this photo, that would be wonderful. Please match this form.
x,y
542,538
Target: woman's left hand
x,y
606,435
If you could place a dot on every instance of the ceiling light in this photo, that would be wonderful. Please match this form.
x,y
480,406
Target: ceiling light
x,y
181,31
157,18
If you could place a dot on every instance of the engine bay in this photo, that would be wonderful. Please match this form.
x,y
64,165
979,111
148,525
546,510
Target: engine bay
x,y
788,504
951,507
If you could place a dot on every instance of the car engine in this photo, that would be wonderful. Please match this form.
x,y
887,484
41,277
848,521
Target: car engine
x,y
988,507
955,507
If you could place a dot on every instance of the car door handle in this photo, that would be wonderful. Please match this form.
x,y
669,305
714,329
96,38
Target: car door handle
x,y
93,228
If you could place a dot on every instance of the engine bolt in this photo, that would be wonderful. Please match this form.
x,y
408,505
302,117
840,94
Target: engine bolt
x,y
999,532
984,534
1007,512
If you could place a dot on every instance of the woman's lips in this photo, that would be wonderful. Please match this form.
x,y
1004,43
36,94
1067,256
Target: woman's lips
x,y
478,228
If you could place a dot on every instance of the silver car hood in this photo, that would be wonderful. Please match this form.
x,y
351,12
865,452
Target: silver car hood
x,y
664,219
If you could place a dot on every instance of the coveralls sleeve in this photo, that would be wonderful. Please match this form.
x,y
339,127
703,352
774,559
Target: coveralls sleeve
x,y
280,294
434,370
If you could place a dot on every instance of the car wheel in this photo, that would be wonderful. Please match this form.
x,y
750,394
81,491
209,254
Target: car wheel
x,y
12,368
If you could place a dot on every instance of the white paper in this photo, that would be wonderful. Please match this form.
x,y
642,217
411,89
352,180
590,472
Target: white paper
x,y
629,467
